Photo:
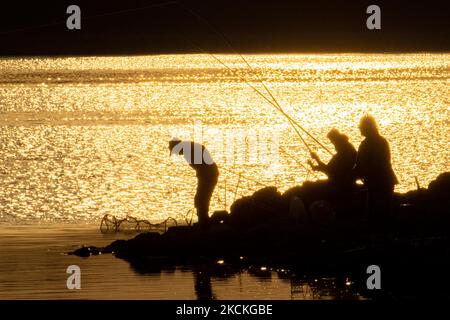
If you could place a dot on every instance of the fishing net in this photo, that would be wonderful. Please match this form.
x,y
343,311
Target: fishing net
x,y
111,224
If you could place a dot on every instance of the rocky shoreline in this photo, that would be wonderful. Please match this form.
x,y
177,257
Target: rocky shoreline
x,y
264,228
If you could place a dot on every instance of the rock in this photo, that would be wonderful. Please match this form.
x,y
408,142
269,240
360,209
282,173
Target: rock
x,y
266,193
297,210
292,192
268,224
144,243
263,206
322,213
432,202
243,212
114,246
440,187
269,203
86,251
219,217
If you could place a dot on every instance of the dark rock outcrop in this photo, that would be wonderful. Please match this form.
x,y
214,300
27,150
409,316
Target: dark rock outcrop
x,y
264,227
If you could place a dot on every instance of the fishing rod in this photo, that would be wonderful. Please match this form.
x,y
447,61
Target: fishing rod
x,y
291,121
276,105
257,91
308,170
244,177
290,156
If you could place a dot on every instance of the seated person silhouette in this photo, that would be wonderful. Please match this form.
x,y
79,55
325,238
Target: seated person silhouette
x,y
339,169
206,171
373,167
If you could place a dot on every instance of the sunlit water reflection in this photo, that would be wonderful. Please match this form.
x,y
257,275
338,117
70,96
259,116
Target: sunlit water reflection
x,y
33,265
82,137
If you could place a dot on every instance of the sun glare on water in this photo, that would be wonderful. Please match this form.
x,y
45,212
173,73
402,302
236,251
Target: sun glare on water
x,y
83,137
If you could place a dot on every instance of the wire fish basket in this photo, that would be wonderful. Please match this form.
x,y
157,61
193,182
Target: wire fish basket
x,y
111,224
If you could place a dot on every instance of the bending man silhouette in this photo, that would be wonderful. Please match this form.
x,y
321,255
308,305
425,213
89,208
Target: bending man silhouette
x,y
373,167
206,171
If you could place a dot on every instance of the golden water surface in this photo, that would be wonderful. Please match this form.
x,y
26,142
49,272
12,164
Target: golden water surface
x,y
82,137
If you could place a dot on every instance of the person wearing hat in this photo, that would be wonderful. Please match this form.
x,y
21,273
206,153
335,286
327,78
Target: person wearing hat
x,y
207,172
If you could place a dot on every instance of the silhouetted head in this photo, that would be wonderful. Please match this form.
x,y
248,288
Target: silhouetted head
x,y
337,139
368,126
333,135
173,143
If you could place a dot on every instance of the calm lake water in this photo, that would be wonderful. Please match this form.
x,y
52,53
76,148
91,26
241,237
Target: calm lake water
x,y
34,261
87,136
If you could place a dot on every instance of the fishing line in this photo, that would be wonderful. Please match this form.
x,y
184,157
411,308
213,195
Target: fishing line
x,y
291,121
276,105
290,156
162,4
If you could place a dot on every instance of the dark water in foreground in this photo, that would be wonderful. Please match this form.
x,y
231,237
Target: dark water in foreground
x,y
33,265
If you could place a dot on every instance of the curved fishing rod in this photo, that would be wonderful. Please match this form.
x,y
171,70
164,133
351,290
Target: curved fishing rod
x,y
290,156
308,171
291,121
276,105
222,35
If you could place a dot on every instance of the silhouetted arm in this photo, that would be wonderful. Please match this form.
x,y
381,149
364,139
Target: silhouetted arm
x,y
321,166
316,157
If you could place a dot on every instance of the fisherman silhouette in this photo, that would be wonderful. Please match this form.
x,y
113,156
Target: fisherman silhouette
x,y
339,169
206,171
373,167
